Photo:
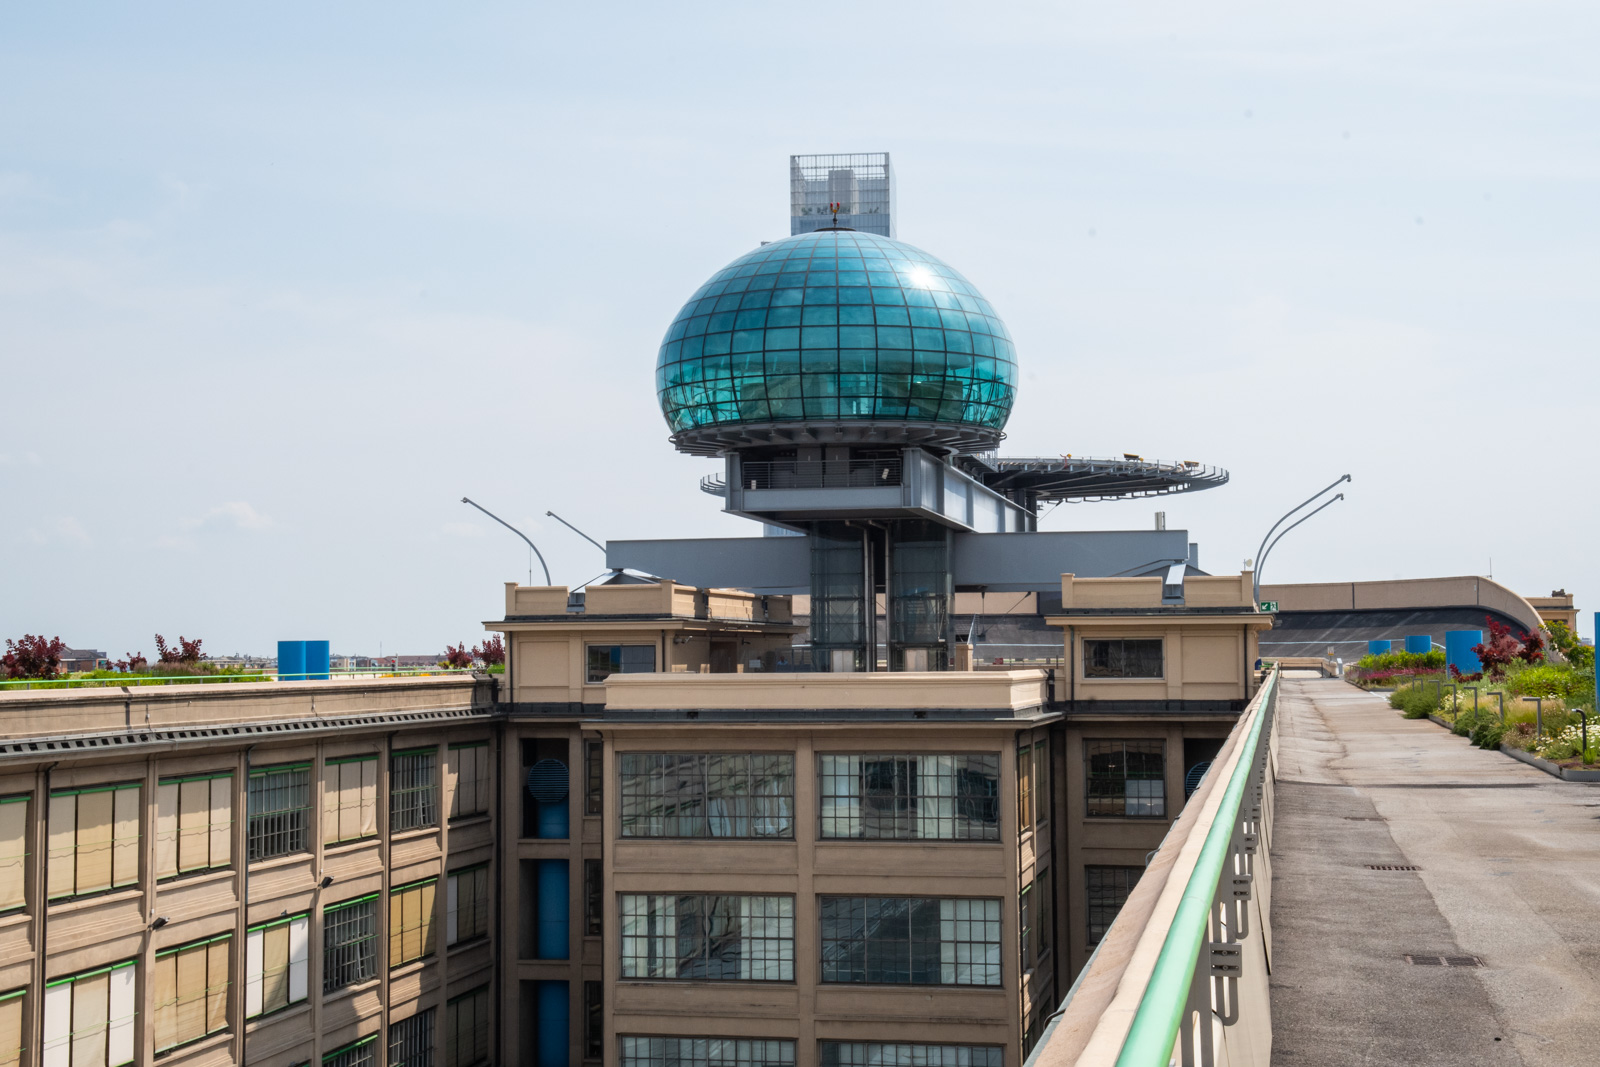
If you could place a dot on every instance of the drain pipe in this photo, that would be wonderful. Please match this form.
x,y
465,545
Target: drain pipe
x,y
42,901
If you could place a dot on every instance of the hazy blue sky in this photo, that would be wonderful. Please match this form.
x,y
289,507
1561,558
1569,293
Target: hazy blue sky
x,y
279,286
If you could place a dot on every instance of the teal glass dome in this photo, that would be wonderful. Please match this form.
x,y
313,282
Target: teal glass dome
x,y
841,327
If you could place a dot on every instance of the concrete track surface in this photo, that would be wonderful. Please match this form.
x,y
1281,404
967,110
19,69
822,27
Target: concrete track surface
x,y
1510,873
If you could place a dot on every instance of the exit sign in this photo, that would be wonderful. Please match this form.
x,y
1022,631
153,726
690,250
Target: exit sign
x,y
1269,605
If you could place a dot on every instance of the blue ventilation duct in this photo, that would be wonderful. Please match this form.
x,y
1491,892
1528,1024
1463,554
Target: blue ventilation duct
x,y
316,660
1458,650
553,1007
291,661
553,919
548,782
1419,643
1378,648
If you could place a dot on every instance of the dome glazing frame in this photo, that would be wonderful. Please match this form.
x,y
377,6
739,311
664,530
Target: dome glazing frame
x,y
839,327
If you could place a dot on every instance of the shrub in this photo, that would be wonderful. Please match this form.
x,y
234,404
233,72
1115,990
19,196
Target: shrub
x,y
492,652
1545,680
1390,661
32,657
457,656
1487,734
1414,702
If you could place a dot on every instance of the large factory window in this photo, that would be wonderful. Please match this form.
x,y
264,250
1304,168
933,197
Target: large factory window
x,y
278,804
194,824
93,839
874,1054
413,789
277,962
191,992
1126,778
718,794
1122,658
606,660
936,797
708,938
470,779
1108,889
912,941
349,942
349,799
707,1052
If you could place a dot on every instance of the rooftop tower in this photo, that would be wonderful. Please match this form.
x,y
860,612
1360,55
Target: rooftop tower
x,y
855,388
861,183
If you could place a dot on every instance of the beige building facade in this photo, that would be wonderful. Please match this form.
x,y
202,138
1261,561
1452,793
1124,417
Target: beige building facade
x,y
649,841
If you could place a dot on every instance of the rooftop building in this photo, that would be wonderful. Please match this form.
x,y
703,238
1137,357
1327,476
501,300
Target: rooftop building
x,y
854,189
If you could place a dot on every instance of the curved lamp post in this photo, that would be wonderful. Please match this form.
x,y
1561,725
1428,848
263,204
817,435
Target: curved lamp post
x,y
520,534
1275,540
575,530
1261,552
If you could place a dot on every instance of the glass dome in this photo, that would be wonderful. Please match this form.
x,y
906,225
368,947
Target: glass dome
x,y
840,326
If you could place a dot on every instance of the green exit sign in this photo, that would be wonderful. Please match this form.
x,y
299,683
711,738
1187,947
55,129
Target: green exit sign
x,y
1269,605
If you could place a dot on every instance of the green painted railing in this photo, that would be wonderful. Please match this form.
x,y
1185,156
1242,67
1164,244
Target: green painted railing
x,y
1161,1010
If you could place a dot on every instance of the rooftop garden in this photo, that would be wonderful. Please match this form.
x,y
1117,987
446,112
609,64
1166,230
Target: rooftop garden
x,y
1535,693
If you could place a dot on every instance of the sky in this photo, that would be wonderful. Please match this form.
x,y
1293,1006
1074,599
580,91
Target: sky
x,y
280,284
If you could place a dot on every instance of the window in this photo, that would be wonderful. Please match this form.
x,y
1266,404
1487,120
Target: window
x,y
90,1019
469,779
191,991
466,1039
606,660
1025,925
411,1041
413,790
1108,889
1126,778
1041,782
1122,658
706,1052
936,797
278,806
917,941
94,839
719,794
13,860
361,1053
594,1021
1024,789
194,824
593,890
349,943
593,777
277,964
708,938
13,1025
411,921
1046,911
467,904
349,799
874,1054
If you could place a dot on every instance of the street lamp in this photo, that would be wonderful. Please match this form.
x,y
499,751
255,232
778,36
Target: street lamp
x,y
520,534
1262,561
575,530
1261,552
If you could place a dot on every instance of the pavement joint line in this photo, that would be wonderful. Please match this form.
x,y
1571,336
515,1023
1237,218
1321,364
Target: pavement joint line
x,y
1419,785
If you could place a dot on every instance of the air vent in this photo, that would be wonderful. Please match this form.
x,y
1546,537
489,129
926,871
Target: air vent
x,y
548,781
1442,961
1391,867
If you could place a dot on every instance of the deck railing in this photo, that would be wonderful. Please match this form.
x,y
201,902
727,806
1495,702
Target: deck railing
x,y
1181,976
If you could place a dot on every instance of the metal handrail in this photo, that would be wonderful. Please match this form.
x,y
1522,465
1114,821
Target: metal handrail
x,y
1171,993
